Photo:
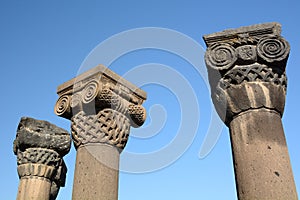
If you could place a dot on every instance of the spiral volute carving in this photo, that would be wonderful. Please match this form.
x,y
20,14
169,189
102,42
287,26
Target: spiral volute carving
x,y
220,56
62,107
273,49
90,92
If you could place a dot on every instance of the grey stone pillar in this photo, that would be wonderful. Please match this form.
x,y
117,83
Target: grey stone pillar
x,y
102,107
40,147
246,69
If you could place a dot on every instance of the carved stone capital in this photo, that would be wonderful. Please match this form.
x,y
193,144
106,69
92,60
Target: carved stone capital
x,y
246,68
102,106
40,147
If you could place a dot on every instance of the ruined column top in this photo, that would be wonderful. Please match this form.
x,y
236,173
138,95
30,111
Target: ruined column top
x,y
33,133
99,72
237,35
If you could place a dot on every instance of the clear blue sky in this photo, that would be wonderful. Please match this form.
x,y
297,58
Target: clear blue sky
x,y
43,44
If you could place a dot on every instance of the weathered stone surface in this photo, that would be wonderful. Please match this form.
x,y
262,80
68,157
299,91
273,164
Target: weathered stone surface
x,y
243,34
102,107
34,133
246,68
33,189
249,96
261,161
40,147
96,172
238,57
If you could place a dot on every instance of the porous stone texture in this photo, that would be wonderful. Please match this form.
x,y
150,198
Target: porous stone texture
x,y
96,173
261,158
246,68
40,147
102,107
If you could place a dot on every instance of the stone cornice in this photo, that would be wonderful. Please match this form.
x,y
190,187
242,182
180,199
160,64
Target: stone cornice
x,y
77,83
237,35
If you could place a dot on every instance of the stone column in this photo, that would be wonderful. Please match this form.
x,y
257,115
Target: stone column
x,y
40,147
246,68
102,107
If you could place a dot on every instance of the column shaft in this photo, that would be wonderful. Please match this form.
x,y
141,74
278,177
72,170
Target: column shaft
x,y
261,160
34,189
96,173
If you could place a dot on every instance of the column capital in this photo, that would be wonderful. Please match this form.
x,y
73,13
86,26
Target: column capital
x,y
246,68
40,147
102,106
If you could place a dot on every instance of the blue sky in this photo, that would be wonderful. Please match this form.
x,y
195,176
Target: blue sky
x,y
44,44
